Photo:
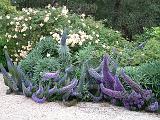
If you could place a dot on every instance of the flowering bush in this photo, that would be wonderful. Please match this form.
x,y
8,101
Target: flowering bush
x,y
5,7
145,49
29,25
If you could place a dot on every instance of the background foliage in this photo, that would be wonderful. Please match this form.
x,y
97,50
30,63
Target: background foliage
x,y
128,16
28,26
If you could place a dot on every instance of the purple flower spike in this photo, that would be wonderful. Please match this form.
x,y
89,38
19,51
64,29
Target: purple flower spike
x,y
40,90
38,100
137,88
69,87
153,107
147,94
27,90
95,75
96,98
50,75
52,91
118,85
107,76
64,37
112,93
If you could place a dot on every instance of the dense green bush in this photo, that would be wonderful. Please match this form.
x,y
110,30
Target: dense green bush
x,y
28,26
145,49
5,7
35,62
148,75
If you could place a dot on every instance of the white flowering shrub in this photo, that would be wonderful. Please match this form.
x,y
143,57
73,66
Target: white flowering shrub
x,y
29,25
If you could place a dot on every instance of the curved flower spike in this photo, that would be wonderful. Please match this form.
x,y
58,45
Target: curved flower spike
x,y
69,87
69,69
38,100
75,93
95,75
10,64
107,76
137,88
118,85
99,68
53,90
112,93
147,94
27,91
40,90
51,75
8,80
64,37
153,107
95,98
38,95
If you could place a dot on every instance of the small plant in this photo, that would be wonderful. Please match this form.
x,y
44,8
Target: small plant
x,y
14,78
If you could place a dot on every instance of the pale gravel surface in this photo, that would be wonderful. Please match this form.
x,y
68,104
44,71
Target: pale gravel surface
x,y
15,107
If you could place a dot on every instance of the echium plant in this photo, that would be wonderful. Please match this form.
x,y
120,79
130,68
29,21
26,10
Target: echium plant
x,y
15,78
64,54
111,86
55,84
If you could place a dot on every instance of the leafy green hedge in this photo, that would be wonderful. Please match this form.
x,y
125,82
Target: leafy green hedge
x,y
146,48
6,7
148,75
29,25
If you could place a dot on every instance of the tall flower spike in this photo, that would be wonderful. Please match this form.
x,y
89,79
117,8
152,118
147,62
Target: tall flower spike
x,y
107,76
52,90
8,80
50,75
27,91
118,85
69,87
69,69
38,100
147,94
137,88
95,75
38,96
96,98
40,90
63,79
153,107
64,37
99,68
113,93
9,61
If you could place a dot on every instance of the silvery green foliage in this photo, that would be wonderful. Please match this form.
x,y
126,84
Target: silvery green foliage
x,y
63,50
39,56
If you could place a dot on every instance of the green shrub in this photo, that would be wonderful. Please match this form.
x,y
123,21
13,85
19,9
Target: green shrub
x,y
28,26
44,47
145,49
148,75
31,3
5,7
45,65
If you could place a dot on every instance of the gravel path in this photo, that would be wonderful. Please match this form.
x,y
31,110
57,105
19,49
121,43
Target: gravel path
x,y
15,107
